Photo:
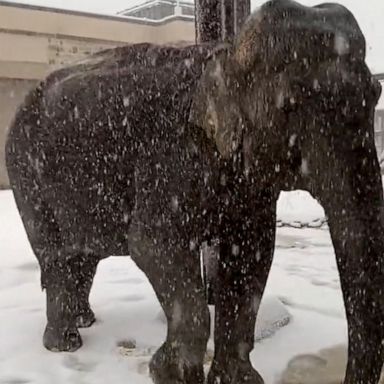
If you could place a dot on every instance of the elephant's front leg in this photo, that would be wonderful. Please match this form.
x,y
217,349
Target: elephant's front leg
x,y
246,253
174,272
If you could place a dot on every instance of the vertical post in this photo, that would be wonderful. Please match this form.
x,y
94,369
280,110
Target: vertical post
x,y
233,15
242,11
208,24
208,20
228,20
217,20
220,20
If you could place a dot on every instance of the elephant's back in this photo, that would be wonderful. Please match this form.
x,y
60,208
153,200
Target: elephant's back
x,y
124,78
104,104
75,137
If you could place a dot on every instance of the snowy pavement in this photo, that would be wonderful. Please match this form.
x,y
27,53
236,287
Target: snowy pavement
x,y
303,276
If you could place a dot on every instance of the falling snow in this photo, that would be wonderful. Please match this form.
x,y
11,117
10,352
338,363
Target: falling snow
x,y
235,250
304,167
292,140
175,203
143,151
342,45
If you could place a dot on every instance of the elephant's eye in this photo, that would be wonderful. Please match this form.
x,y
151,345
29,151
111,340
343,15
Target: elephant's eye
x,y
290,105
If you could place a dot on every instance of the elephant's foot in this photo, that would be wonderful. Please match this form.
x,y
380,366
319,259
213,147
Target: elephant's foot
x,y
66,339
172,365
85,318
238,372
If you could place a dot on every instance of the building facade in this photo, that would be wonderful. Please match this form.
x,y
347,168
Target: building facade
x,y
161,9
53,37
379,131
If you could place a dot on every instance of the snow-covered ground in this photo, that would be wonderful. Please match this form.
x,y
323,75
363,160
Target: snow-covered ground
x,y
303,276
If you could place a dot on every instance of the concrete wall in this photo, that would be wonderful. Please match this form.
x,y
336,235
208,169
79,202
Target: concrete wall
x,y
379,131
35,40
62,23
12,92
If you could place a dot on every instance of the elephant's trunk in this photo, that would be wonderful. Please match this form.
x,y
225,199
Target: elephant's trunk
x,y
355,209
359,248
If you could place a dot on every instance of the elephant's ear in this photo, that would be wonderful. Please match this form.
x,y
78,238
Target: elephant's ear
x,y
202,114
215,108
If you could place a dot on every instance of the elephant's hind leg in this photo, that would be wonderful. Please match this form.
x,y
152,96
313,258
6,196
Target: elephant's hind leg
x,y
61,333
85,275
68,283
66,275
174,272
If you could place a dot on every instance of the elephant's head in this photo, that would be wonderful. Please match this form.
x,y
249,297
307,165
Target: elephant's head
x,y
296,99
295,77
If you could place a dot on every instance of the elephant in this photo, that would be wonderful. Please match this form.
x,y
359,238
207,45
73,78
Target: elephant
x,y
152,150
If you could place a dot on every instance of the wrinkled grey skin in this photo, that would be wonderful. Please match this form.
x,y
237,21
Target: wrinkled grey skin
x,y
152,150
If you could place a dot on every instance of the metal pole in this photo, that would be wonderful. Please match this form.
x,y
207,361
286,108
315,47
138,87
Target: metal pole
x,y
227,20
242,11
208,20
220,20
217,20
233,15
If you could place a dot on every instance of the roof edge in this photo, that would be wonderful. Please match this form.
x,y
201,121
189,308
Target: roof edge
x,y
149,3
118,18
